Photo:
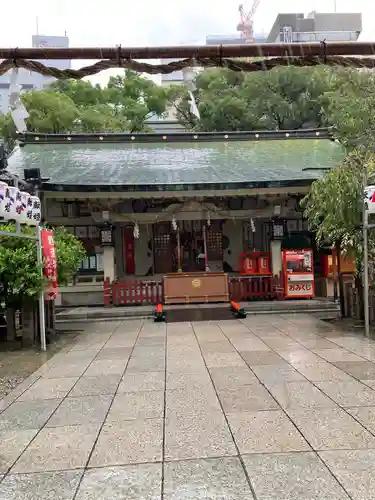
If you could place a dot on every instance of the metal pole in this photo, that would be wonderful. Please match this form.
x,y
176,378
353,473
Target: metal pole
x,y
365,257
42,319
18,225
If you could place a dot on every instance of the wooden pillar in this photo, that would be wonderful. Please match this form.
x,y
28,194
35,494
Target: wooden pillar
x,y
109,262
276,257
205,249
179,268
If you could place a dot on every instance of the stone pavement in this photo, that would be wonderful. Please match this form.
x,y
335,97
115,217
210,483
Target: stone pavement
x,y
267,408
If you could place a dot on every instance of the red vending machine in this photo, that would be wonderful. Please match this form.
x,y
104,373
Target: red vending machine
x,y
298,270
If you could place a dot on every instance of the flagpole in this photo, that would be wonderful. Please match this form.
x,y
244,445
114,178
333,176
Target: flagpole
x,y
365,257
42,318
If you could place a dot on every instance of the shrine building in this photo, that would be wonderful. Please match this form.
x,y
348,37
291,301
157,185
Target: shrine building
x,y
146,205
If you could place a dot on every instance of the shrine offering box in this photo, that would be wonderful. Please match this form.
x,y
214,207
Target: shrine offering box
x,y
187,288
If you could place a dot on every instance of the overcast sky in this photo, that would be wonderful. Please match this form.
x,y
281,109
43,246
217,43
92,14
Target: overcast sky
x,y
151,22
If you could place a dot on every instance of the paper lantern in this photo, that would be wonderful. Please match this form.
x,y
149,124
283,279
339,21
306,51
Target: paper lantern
x,y
24,197
29,211
3,188
36,210
8,204
18,209
13,195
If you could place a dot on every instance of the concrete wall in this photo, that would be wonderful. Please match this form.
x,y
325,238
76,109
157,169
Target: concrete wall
x,y
338,21
233,230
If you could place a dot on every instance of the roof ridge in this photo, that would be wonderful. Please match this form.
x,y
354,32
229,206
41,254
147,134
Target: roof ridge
x,y
116,137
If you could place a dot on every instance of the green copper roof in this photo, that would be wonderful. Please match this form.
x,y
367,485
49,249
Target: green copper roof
x,y
116,164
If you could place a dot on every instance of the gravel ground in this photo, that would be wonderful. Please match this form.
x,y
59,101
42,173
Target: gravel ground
x,y
17,364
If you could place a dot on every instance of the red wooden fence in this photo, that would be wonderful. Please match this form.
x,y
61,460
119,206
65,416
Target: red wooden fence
x,y
149,292
132,292
246,288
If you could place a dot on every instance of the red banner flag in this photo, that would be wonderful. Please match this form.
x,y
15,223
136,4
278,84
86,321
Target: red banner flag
x,y
129,251
50,263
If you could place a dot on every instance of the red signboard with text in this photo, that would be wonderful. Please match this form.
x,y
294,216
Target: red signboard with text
x,y
50,263
298,273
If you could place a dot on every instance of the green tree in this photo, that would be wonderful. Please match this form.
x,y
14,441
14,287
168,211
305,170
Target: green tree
x,y
283,98
7,131
78,106
135,98
50,112
350,111
334,204
82,93
20,276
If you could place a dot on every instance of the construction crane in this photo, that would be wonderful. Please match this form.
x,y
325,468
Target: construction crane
x,y
246,26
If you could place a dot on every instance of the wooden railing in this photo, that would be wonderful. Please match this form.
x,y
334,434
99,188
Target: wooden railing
x,y
132,292
247,288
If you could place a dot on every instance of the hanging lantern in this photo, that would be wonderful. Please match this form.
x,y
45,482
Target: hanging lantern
x,y
3,189
14,198
23,207
136,231
18,206
35,211
29,211
208,219
174,224
8,204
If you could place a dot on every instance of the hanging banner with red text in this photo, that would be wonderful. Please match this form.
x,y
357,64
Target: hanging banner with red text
x,y
50,263
129,256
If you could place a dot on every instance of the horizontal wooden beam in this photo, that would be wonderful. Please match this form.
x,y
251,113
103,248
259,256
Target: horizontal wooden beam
x,y
143,195
180,137
322,49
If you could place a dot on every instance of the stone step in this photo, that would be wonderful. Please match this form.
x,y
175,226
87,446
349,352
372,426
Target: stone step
x,y
319,309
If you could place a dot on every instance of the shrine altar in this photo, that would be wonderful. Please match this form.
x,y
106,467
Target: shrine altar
x,y
197,287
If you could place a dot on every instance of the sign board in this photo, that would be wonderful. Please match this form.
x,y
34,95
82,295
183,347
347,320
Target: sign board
x,y
300,289
50,263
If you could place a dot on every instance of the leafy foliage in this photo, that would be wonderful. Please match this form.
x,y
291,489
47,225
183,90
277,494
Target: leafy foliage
x,y
284,98
334,206
20,276
335,202
78,106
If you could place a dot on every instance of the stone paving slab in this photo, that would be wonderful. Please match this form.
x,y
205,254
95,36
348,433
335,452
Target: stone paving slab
x,y
266,408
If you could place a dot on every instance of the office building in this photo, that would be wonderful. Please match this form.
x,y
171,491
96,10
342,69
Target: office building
x,y
315,27
233,39
29,80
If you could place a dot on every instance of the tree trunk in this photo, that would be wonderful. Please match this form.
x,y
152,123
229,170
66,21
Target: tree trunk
x,y
10,315
361,305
